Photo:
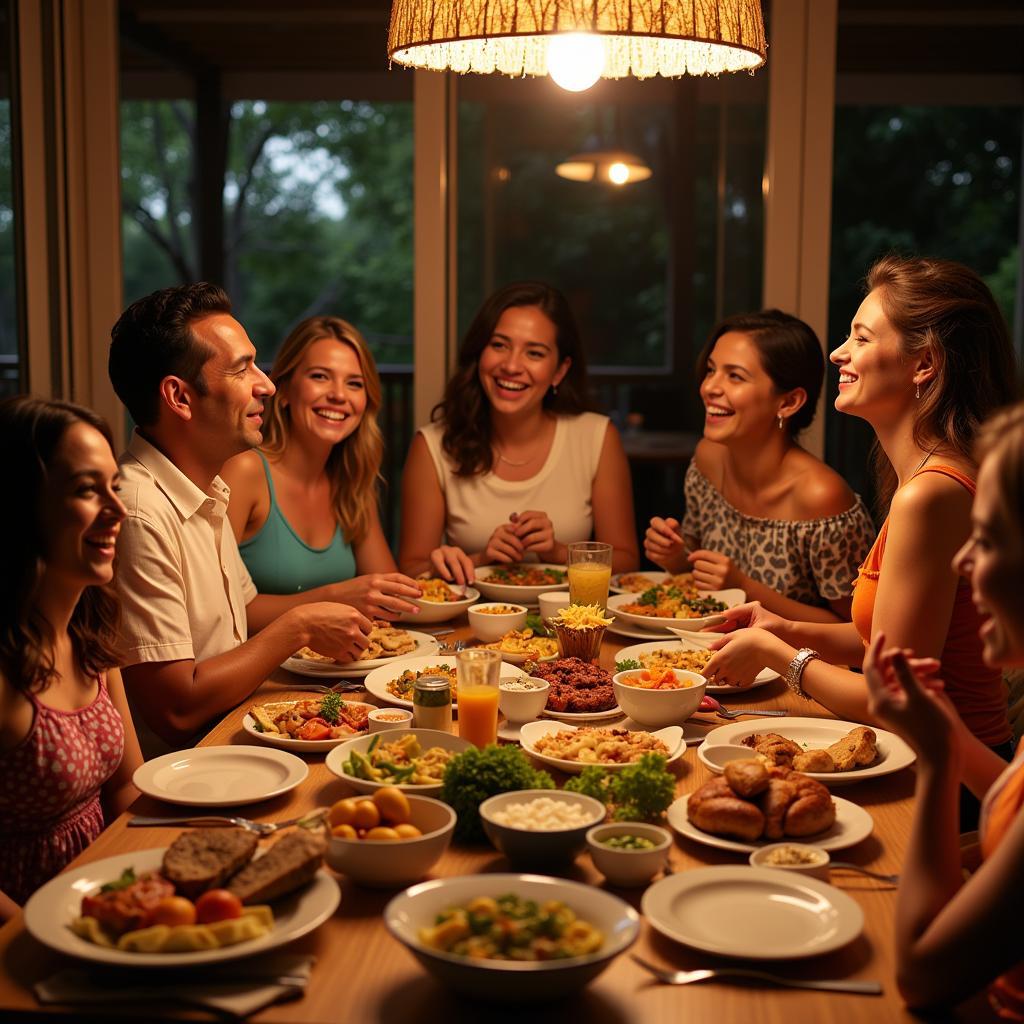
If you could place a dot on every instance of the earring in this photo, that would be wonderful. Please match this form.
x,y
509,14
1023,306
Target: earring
x,y
780,421
917,391
554,390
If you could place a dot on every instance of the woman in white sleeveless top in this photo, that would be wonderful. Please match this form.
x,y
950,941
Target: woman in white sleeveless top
x,y
513,467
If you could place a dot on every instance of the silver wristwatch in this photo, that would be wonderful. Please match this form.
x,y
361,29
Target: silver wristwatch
x,y
795,672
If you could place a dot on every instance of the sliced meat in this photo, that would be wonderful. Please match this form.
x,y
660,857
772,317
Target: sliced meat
x,y
204,858
291,862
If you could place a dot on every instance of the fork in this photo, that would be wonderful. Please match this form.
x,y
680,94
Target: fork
x,y
261,828
723,712
864,988
843,865
459,645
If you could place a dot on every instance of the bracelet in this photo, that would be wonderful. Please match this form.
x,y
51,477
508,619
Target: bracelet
x,y
795,672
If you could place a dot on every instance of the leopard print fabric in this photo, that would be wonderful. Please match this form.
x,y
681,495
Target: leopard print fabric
x,y
813,561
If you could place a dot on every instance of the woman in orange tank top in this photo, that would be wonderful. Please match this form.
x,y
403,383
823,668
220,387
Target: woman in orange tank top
x,y
927,359
955,937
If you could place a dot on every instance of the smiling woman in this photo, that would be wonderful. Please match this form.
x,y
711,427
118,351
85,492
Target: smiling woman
x,y
513,465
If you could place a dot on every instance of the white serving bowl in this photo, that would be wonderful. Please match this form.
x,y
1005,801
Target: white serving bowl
x,y
489,627
816,868
383,719
628,867
717,756
552,603
512,980
658,708
523,705
512,594
432,612
532,848
390,864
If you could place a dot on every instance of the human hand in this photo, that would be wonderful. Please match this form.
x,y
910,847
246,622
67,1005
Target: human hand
x,y
752,614
452,564
714,571
379,595
535,530
336,630
664,544
740,656
906,696
504,545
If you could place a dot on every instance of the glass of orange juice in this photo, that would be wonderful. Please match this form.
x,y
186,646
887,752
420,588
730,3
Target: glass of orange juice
x,y
590,572
477,672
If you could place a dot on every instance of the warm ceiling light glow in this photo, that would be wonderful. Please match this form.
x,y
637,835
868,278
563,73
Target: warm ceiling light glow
x,y
641,38
618,173
611,166
576,60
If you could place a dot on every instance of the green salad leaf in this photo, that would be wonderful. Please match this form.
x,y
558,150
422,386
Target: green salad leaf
x,y
641,791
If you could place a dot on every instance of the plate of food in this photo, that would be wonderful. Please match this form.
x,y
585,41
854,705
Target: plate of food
x,y
682,654
752,805
394,684
223,776
441,601
387,642
141,909
310,726
753,913
666,605
571,749
578,691
638,582
414,760
825,749
519,646
520,583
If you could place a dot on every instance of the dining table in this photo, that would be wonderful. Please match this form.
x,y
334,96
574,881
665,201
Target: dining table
x,y
363,974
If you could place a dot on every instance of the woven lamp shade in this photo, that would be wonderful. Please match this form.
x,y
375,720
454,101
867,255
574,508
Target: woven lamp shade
x,y
642,38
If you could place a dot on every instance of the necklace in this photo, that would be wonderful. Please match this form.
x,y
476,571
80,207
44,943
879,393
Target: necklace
x,y
509,462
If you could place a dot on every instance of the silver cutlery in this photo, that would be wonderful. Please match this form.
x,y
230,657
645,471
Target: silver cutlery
x,y
443,631
864,988
459,645
843,865
723,712
261,828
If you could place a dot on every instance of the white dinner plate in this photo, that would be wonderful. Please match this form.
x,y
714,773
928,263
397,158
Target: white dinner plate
x,y
299,746
672,737
622,628
655,576
766,675
51,909
585,716
753,913
376,683
894,753
425,644
730,598
517,595
520,659
852,824
225,776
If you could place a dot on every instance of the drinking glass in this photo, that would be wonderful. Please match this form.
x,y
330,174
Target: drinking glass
x,y
477,672
590,572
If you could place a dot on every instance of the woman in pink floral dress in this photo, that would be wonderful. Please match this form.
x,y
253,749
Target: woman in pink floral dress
x,y
67,745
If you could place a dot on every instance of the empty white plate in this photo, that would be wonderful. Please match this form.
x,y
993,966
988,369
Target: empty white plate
x,y
754,913
220,776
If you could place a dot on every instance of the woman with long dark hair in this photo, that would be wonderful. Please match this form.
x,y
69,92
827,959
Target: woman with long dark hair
x,y
513,465
67,744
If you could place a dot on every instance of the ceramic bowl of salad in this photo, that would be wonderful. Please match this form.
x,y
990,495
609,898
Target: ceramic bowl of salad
x,y
658,697
629,853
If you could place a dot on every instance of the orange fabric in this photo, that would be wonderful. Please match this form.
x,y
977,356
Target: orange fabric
x,y
1002,806
975,689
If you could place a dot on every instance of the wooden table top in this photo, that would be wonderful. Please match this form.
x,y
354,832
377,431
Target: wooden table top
x,y
364,975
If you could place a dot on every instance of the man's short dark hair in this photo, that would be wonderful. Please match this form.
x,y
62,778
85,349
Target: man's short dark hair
x,y
153,339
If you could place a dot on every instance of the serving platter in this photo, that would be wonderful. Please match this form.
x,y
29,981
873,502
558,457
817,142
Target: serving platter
x,y
51,909
753,913
425,644
852,825
376,683
512,594
766,675
730,598
531,732
894,753
226,776
299,746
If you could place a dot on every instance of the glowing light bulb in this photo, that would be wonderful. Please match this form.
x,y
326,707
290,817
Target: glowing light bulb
x,y
576,60
618,173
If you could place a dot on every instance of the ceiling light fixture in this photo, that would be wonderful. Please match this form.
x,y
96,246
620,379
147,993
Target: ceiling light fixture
x,y
578,41
612,166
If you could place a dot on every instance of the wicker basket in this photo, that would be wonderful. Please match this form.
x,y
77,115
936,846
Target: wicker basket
x,y
584,643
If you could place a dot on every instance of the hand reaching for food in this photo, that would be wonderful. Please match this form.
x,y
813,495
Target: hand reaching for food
x,y
452,564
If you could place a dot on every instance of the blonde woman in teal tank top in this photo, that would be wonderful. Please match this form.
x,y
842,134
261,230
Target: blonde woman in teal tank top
x,y
304,509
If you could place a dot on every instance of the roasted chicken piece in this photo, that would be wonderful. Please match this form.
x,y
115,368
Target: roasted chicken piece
x,y
856,749
775,749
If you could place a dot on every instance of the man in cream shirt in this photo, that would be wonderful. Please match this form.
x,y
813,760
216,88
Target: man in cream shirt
x,y
186,371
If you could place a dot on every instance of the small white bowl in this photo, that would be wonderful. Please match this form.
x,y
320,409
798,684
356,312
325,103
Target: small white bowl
x,y
717,756
520,706
394,864
628,867
381,719
817,866
489,627
432,612
552,603
656,709
534,848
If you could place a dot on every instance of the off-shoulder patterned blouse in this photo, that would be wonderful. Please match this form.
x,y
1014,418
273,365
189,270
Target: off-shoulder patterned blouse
x,y
813,561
